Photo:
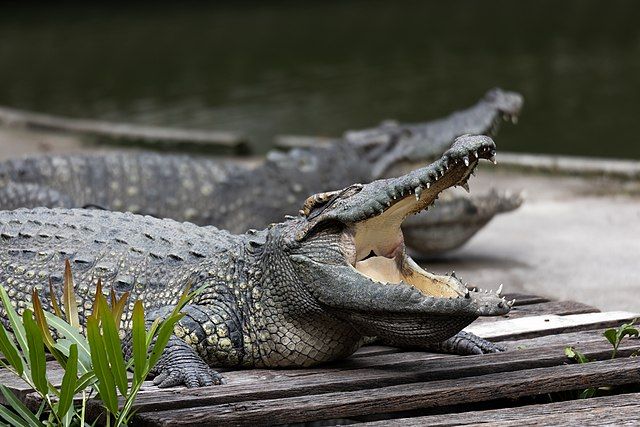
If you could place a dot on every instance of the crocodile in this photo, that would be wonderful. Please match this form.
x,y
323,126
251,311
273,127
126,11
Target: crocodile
x,y
235,196
301,292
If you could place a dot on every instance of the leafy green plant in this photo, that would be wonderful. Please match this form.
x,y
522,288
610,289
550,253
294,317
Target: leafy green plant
x,y
615,337
95,363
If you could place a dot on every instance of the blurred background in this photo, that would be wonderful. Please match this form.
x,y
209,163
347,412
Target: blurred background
x,y
322,67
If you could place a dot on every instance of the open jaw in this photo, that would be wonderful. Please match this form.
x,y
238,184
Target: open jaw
x,y
391,287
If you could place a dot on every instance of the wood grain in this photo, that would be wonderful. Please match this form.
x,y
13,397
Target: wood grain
x,y
405,397
612,410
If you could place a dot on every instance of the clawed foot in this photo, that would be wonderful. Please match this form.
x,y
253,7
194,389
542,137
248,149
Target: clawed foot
x,y
190,376
466,343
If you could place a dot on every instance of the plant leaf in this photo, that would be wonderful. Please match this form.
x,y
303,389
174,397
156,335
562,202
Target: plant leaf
x,y
41,321
85,381
138,335
117,307
569,352
15,323
37,359
164,333
106,383
113,347
22,417
612,336
69,297
54,301
10,351
74,336
69,380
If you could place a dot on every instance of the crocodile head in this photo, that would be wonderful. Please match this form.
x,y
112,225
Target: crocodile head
x,y
394,147
348,253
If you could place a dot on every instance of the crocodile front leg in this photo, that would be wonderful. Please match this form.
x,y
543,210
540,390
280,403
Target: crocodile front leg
x,y
204,337
466,343
463,343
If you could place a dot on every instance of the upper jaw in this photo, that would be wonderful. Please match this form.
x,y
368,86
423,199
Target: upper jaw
x,y
373,199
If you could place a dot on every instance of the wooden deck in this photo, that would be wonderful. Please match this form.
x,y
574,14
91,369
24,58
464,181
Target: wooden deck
x,y
385,386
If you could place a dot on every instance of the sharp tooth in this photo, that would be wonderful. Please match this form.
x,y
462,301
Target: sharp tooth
x,y
418,191
428,184
465,186
499,291
510,303
466,161
475,154
514,120
493,160
467,294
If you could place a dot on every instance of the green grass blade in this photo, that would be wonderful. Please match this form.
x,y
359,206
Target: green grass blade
x,y
164,333
139,339
37,359
26,417
10,351
69,380
15,323
113,347
106,383
69,297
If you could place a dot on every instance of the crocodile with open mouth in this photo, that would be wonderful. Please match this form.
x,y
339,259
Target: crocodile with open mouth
x,y
301,292
235,197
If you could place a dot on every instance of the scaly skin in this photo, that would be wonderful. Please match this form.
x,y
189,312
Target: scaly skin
x,y
301,292
235,197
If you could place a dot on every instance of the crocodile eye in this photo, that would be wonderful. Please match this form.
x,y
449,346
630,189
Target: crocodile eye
x,y
317,203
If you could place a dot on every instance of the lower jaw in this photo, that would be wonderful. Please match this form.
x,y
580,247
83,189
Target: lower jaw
x,y
411,328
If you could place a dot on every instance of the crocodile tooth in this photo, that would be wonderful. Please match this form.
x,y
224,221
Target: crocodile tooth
x,y
466,161
467,294
453,273
510,303
465,186
493,160
475,153
499,291
418,191
514,120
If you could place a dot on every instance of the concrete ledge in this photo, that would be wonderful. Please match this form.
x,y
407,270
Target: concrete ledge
x,y
573,165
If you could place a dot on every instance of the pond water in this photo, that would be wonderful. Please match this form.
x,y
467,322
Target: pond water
x,y
319,68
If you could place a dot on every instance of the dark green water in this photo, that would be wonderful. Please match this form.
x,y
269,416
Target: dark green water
x,y
322,67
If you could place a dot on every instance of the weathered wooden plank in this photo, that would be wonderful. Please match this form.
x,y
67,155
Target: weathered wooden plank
x,y
559,308
612,410
548,324
405,397
411,368
122,131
